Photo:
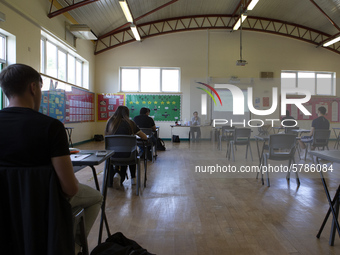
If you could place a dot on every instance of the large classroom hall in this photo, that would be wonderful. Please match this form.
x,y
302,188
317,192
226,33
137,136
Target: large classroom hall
x,y
207,70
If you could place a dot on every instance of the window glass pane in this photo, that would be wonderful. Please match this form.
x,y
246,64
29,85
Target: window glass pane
x,y
324,84
71,69
2,47
306,81
79,73
150,80
170,80
129,79
51,58
288,80
61,65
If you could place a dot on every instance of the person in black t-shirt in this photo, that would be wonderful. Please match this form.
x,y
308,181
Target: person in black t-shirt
x,y
120,124
145,121
319,123
29,138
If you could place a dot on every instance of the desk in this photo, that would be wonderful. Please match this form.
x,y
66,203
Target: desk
x,y
177,126
69,135
301,131
337,137
333,156
278,129
92,161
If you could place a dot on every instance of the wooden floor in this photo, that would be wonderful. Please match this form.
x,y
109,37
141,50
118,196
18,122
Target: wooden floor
x,y
185,212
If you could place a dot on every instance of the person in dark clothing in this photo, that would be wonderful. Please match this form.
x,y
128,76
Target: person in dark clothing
x,y
145,121
29,138
319,123
288,121
120,124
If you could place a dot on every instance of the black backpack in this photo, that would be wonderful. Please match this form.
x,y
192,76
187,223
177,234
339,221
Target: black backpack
x,y
118,244
160,144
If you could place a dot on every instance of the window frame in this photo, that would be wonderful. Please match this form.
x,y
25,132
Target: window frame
x,y
139,79
333,80
68,52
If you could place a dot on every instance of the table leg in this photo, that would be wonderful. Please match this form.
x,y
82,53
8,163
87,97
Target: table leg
x,y
104,193
335,211
335,219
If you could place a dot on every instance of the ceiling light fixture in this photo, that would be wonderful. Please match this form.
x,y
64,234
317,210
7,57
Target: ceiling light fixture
x,y
331,42
240,20
135,32
252,5
126,10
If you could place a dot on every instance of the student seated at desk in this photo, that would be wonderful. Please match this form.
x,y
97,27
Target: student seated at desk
x,y
195,131
30,139
145,121
319,123
120,124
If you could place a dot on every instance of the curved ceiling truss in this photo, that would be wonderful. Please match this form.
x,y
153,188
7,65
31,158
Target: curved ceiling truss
x,y
190,23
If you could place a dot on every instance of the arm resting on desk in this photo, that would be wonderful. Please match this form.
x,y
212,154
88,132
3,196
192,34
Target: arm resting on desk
x,y
64,169
142,135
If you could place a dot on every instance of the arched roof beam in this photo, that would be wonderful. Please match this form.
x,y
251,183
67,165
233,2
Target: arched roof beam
x,y
190,23
70,7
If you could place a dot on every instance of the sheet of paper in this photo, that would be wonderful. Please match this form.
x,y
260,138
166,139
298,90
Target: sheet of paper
x,y
79,157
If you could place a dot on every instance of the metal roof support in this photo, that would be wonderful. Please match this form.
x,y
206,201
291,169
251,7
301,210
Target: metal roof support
x,y
135,20
69,8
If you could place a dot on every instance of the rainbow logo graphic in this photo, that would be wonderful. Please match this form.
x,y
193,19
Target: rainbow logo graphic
x,y
208,92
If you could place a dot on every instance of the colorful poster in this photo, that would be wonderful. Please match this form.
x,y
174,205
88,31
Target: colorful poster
x,y
79,105
108,103
162,107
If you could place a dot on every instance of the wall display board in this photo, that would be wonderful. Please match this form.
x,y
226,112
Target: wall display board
x,y
79,105
53,104
163,107
108,103
68,103
332,105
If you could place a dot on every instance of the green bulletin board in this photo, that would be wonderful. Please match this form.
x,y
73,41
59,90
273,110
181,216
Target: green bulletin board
x,y
162,107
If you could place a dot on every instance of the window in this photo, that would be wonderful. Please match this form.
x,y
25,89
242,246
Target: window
x,y
58,61
149,79
318,83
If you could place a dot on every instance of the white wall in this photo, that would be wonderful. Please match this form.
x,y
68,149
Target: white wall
x,y
211,56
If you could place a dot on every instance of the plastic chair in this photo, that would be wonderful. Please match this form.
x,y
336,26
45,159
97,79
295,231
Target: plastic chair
x,y
320,140
281,147
151,142
290,130
241,137
226,135
36,217
127,144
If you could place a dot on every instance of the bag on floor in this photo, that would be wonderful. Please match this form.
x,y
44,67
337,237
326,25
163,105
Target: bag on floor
x,y
118,244
175,139
160,144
